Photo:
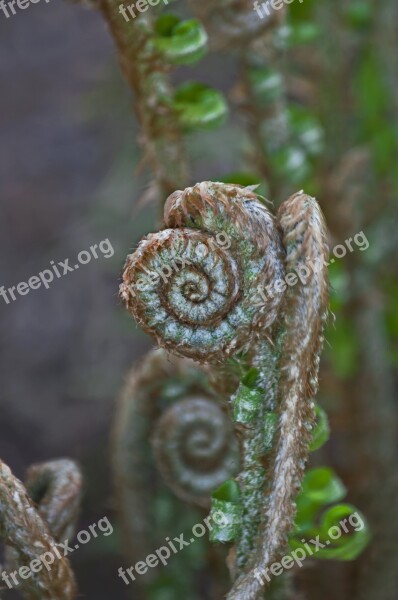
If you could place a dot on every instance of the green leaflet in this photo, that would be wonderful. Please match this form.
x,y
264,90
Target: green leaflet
x,y
270,423
267,84
343,531
292,162
180,42
358,14
246,404
226,501
251,377
303,33
342,528
321,432
320,487
199,106
246,178
307,130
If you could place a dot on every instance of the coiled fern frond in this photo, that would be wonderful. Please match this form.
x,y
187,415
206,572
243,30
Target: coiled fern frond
x,y
32,525
206,300
170,433
56,489
204,307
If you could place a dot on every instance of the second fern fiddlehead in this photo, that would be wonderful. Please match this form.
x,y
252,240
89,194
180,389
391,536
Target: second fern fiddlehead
x,y
202,301
29,536
195,448
169,422
56,489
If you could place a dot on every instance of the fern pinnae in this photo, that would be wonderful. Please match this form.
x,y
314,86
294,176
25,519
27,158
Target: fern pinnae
x,y
208,310
146,71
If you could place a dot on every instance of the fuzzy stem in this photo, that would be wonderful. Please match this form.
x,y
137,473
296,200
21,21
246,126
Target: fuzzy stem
x,y
206,309
25,531
252,479
233,24
189,438
146,72
304,238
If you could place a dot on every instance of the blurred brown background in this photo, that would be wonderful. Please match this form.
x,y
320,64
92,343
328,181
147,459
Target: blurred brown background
x,y
65,184
68,159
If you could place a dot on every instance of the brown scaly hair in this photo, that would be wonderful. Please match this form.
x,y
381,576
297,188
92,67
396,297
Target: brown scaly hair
x,y
207,307
56,489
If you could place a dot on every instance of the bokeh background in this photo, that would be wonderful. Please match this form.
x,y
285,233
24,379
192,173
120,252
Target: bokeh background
x,y
67,182
68,179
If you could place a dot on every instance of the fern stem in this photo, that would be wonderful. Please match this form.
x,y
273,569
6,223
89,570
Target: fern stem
x,y
56,489
28,535
207,310
146,72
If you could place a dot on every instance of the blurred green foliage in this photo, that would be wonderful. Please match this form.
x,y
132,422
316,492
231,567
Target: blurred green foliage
x,y
316,519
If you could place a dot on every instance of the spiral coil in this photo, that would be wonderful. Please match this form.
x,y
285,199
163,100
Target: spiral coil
x,y
259,298
189,291
195,448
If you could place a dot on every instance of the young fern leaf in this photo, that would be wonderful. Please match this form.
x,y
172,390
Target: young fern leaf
x,y
181,42
191,285
29,536
55,487
195,448
315,517
168,420
194,287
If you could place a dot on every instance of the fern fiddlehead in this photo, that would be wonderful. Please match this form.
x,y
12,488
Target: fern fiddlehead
x,y
163,425
28,536
304,314
56,488
195,448
205,309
